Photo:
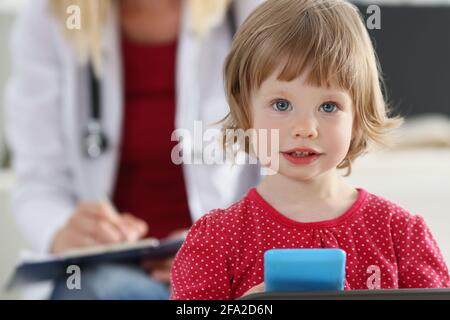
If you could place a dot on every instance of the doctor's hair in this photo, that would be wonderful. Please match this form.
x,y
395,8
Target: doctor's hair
x,y
326,37
94,14
88,39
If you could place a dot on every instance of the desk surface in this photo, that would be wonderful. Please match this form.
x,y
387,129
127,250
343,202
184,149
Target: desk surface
x,y
386,294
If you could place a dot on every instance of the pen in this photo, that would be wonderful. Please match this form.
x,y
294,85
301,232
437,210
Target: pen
x,y
116,220
105,199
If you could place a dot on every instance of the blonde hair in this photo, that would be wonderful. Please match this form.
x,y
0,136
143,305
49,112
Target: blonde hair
x,y
206,14
88,40
328,36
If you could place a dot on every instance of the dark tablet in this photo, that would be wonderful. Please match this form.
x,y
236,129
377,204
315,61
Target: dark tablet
x,y
55,267
385,294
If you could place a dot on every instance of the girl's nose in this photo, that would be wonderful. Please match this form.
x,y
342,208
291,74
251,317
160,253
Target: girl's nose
x,y
304,129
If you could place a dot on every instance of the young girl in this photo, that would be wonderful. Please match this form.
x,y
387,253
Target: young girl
x,y
307,68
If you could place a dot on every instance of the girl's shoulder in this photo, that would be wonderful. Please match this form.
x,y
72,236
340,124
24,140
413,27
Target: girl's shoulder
x,y
236,210
382,209
225,220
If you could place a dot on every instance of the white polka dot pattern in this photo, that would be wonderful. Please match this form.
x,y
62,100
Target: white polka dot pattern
x,y
222,256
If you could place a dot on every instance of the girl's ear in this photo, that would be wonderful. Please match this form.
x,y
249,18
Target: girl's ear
x,y
353,132
354,127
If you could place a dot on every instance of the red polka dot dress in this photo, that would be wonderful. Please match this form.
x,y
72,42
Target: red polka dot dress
x,y
386,247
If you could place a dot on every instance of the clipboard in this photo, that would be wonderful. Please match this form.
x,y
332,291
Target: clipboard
x,y
29,271
382,294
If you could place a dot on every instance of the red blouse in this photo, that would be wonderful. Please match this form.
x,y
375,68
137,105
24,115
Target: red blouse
x,y
148,184
387,247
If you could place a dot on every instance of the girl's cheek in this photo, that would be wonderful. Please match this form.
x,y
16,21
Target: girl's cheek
x,y
341,127
267,125
338,134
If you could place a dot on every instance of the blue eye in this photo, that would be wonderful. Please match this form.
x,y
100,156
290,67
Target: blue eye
x,y
281,105
328,107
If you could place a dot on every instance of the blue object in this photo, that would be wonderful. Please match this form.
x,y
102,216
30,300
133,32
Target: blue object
x,y
304,270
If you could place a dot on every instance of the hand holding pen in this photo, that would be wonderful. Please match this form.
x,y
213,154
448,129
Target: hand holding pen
x,y
97,223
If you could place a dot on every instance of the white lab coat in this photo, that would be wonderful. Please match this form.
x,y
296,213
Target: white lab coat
x,y
47,107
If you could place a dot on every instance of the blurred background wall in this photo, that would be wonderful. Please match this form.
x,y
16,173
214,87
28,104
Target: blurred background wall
x,y
10,240
414,48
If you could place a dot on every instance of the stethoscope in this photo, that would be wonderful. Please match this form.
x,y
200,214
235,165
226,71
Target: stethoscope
x,y
95,141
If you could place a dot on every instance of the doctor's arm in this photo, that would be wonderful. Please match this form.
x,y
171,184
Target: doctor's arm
x,y
43,199
44,202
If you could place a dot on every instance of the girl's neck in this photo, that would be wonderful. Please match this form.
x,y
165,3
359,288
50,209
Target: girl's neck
x,y
322,198
321,188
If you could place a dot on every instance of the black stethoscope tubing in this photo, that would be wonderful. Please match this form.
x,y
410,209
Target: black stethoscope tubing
x,y
95,142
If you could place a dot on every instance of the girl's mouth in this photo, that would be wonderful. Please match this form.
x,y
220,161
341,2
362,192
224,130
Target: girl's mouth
x,y
301,157
301,154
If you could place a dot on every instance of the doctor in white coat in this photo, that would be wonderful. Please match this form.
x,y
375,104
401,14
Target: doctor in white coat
x,y
48,107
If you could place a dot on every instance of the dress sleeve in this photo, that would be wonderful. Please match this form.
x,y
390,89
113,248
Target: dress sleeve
x,y
201,269
420,261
